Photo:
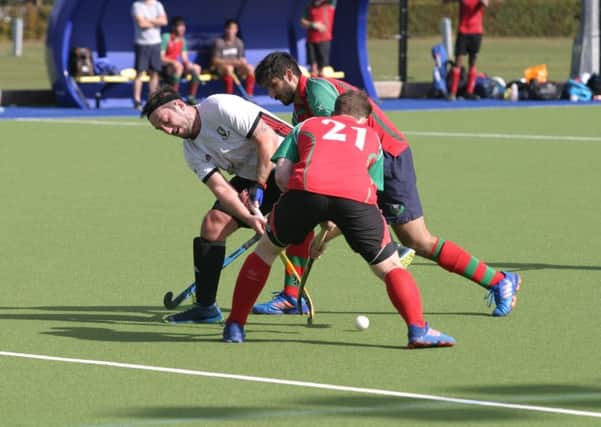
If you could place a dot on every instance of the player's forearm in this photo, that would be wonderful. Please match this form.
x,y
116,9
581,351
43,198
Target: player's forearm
x,y
305,23
230,200
144,23
160,21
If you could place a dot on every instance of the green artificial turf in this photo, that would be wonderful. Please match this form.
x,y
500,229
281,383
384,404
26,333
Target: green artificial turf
x,y
97,224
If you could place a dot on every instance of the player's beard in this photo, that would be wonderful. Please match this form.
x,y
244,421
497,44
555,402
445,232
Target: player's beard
x,y
287,98
187,129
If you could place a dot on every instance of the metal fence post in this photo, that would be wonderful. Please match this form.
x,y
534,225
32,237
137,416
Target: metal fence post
x,y
17,33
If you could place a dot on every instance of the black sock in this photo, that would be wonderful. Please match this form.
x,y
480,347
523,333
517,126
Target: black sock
x,y
208,260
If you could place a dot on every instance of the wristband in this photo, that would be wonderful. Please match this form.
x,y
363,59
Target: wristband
x,y
256,193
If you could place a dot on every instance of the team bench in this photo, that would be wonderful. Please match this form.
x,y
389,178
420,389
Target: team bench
x,y
128,74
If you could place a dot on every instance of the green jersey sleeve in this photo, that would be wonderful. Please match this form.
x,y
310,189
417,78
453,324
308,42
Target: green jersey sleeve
x,y
321,97
288,148
184,45
376,171
165,41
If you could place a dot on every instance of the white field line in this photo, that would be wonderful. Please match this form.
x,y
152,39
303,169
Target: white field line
x,y
409,132
506,136
360,390
81,122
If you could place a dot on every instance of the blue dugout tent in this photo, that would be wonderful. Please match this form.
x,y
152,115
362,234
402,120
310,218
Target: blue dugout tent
x,y
106,28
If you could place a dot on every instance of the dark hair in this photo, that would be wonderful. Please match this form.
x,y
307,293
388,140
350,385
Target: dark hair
x,y
229,22
275,65
162,96
175,21
354,103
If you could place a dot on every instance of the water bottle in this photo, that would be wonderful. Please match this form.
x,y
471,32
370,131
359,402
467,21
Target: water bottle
x,y
514,92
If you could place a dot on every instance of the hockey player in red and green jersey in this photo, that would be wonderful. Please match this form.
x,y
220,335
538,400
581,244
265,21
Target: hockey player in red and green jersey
x,y
399,201
174,55
329,169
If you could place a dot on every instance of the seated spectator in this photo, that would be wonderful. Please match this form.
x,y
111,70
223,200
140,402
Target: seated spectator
x,y
319,22
174,55
228,59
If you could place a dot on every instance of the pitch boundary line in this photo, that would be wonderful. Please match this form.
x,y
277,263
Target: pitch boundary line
x,y
507,136
555,138
306,384
80,121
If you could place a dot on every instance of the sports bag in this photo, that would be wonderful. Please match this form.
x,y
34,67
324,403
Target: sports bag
x,y
575,90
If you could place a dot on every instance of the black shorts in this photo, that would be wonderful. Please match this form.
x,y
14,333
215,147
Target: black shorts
x,y
468,44
319,53
271,195
148,57
399,201
298,212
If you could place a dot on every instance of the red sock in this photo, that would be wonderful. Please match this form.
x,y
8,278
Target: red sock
x,y
455,259
404,295
250,84
229,84
299,256
455,76
471,80
250,282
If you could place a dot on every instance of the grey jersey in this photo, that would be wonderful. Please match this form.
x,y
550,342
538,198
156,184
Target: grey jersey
x,y
228,50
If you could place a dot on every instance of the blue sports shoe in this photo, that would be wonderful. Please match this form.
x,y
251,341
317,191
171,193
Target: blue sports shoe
x,y
427,337
197,314
233,332
280,304
504,294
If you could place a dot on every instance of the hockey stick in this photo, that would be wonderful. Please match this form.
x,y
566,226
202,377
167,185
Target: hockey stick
x,y
170,303
292,270
301,290
241,89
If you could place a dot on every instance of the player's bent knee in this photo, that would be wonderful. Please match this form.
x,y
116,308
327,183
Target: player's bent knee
x,y
266,250
217,225
382,255
382,268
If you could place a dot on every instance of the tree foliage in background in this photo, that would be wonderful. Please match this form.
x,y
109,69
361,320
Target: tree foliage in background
x,y
35,14
503,18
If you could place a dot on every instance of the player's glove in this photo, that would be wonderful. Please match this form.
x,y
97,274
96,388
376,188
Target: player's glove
x,y
256,192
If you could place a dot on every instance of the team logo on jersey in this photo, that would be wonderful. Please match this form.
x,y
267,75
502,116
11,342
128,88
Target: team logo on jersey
x,y
224,134
319,108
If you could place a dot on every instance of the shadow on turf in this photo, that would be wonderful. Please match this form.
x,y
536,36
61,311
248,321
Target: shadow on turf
x,y
86,314
525,266
352,408
110,335
200,334
549,394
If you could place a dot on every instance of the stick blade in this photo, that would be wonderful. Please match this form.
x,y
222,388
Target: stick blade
x,y
168,301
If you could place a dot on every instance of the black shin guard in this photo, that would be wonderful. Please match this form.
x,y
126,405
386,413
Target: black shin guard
x,y
208,260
